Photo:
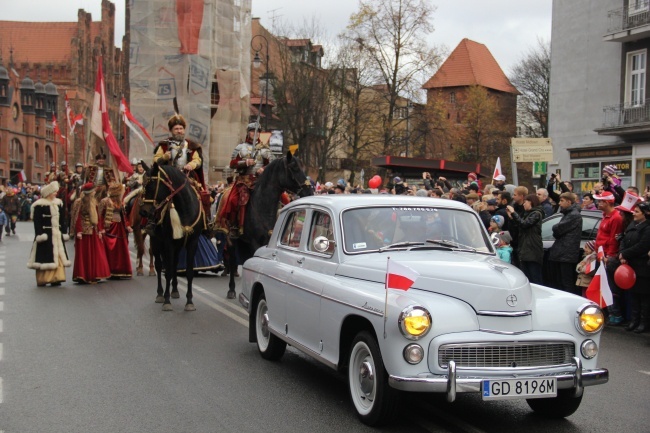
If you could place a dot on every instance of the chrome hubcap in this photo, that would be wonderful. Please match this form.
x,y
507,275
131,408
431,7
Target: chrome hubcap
x,y
366,377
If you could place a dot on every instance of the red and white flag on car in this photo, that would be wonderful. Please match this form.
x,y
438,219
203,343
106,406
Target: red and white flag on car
x,y
400,276
598,290
101,125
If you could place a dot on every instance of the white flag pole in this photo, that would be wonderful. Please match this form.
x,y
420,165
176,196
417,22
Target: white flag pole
x,y
386,295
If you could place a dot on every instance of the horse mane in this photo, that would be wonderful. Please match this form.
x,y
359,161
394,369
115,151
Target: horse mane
x,y
187,201
270,169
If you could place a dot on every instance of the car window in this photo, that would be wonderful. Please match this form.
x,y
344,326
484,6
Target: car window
x,y
321,225
547,227
293,229
367,229
588,228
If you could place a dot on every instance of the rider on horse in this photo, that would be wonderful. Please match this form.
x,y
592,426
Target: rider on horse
x,y
248,159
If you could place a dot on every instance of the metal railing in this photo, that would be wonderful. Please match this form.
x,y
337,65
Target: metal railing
x,y
618,115
629,17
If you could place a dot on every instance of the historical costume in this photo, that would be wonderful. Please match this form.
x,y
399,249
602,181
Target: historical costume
x,y
48,256
249,159
115,232
100,175
53,174
90,263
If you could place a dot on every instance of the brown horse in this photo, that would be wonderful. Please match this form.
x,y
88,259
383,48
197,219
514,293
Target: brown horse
x,y
139,237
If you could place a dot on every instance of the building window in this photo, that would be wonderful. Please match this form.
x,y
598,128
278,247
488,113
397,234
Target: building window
x,y
37,155
49,156
635,82
638,6
452,97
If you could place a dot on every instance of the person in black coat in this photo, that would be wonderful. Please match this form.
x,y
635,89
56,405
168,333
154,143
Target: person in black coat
x,y
634,251
49,256
565,252
530,247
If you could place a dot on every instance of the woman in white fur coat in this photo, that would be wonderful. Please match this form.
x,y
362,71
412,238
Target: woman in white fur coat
x,y
48,257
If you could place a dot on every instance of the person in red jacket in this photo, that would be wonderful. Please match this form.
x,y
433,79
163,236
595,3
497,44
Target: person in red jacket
x,y
609,233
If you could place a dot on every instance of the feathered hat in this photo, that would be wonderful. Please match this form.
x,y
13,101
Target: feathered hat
x,y
52,187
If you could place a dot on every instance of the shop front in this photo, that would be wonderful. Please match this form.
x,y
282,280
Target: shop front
x,y
587,167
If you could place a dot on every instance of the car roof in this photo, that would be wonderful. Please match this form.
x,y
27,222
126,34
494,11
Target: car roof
x,y
584,212
340,202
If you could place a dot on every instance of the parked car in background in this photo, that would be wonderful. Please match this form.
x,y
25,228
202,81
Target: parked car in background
x,y
469,323
590,223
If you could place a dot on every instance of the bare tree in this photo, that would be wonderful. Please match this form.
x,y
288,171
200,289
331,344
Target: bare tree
x,y
532,77
393,34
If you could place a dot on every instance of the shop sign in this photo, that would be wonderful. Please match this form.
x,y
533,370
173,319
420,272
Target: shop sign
x,y
600,153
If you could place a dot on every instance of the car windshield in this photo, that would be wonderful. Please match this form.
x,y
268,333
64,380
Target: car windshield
x,y
384,228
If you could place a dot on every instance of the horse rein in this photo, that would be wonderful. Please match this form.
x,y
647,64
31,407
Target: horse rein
x,y
290,175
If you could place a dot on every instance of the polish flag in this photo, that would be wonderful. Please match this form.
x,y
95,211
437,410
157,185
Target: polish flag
x,y
76,120
598,290
130,120
497,169
400,276
55,127
100,124
68,112
22,177
589,267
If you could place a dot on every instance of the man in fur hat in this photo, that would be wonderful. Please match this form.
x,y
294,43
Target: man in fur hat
x,y
249,159
184,154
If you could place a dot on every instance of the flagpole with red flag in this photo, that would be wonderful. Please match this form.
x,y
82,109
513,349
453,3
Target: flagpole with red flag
x,y
400,277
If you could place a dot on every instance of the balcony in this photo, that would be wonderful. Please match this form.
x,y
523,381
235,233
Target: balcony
x,y
625,120
629,23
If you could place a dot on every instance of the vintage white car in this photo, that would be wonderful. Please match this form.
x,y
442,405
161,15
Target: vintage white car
x,y
469,323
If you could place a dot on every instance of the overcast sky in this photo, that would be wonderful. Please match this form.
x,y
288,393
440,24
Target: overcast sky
x,y
507,27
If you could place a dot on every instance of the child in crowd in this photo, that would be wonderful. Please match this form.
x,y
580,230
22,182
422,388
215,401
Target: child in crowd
x,y
3,221
587,267
504,250
496,223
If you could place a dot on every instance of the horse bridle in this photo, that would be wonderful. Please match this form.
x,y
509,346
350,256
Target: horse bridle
x,y
158,207
290,175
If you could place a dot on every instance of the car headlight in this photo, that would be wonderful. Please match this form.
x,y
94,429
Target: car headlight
x,y
589,349
590,319
414,322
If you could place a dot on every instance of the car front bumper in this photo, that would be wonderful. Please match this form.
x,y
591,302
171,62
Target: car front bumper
x,y
452,383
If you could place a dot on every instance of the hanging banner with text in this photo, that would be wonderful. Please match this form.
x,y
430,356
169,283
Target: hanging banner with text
x,y
531,149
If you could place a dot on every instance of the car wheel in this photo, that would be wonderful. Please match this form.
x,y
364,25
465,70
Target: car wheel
x,y
270,346
563,405
374,400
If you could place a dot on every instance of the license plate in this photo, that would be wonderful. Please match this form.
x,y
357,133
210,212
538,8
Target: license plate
x,y
510,389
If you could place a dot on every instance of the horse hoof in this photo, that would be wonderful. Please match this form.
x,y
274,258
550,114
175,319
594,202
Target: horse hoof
x,y
167,307
231,294
140,273
176,295
159,299
152,273
190,307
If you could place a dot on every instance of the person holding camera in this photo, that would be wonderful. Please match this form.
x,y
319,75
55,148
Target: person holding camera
x,y
612,183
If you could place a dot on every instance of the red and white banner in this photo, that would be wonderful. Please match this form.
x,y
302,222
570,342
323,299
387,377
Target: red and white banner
x,y
598,290
400,276
129,120
22,177
497,169
68,112
100,124
55,127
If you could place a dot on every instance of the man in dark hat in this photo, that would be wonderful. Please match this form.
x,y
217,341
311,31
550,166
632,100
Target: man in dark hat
x,y
184,154
100,175
248,159
51,175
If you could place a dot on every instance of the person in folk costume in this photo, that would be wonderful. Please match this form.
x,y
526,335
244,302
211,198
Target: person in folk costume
x,y
48,256
133,184
187,155
100,175
248,159
53,174
90,262
115,231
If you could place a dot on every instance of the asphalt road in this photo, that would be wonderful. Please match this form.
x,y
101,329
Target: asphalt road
x,y
105,358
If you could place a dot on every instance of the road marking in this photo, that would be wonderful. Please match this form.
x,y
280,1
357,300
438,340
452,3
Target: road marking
x,y
2,263
645,372
2,280
2,291
0,325
217,307
2,306
1,395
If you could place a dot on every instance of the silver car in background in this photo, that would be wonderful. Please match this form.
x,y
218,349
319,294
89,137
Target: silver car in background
x,y
469,323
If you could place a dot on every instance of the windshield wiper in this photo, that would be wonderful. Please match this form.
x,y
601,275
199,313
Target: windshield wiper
x,y
451,244
399,245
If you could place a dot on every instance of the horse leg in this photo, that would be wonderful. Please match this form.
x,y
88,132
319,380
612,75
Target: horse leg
x,y
158,263
170,276
175,293
152,270
232,269
138,267
189,272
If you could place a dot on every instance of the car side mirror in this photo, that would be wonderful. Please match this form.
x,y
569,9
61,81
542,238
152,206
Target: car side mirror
x,y
322,244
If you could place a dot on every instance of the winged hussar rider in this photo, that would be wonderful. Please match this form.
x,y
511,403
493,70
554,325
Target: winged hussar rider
x,y
249,159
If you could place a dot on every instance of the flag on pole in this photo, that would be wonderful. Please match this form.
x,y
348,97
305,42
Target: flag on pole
x,y
68,112
76,120
400,276
22,177
497,169
55,127
598,290
100,124
129,120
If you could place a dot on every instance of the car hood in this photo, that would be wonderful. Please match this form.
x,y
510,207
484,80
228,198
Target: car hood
x,y
483,281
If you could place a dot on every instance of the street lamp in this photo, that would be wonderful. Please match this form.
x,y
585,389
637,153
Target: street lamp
x,y
257,61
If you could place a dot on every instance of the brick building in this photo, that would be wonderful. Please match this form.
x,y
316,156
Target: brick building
x,y
41,62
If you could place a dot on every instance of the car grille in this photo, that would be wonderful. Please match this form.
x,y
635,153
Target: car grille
x,y
505,355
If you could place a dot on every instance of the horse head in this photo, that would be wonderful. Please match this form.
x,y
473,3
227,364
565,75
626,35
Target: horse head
x,y
296,179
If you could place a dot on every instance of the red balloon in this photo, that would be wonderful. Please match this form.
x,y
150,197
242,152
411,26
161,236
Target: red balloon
x,y
625,277
375,181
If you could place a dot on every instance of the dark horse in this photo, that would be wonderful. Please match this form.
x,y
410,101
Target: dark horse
x,y
167,192
280,175
139,238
